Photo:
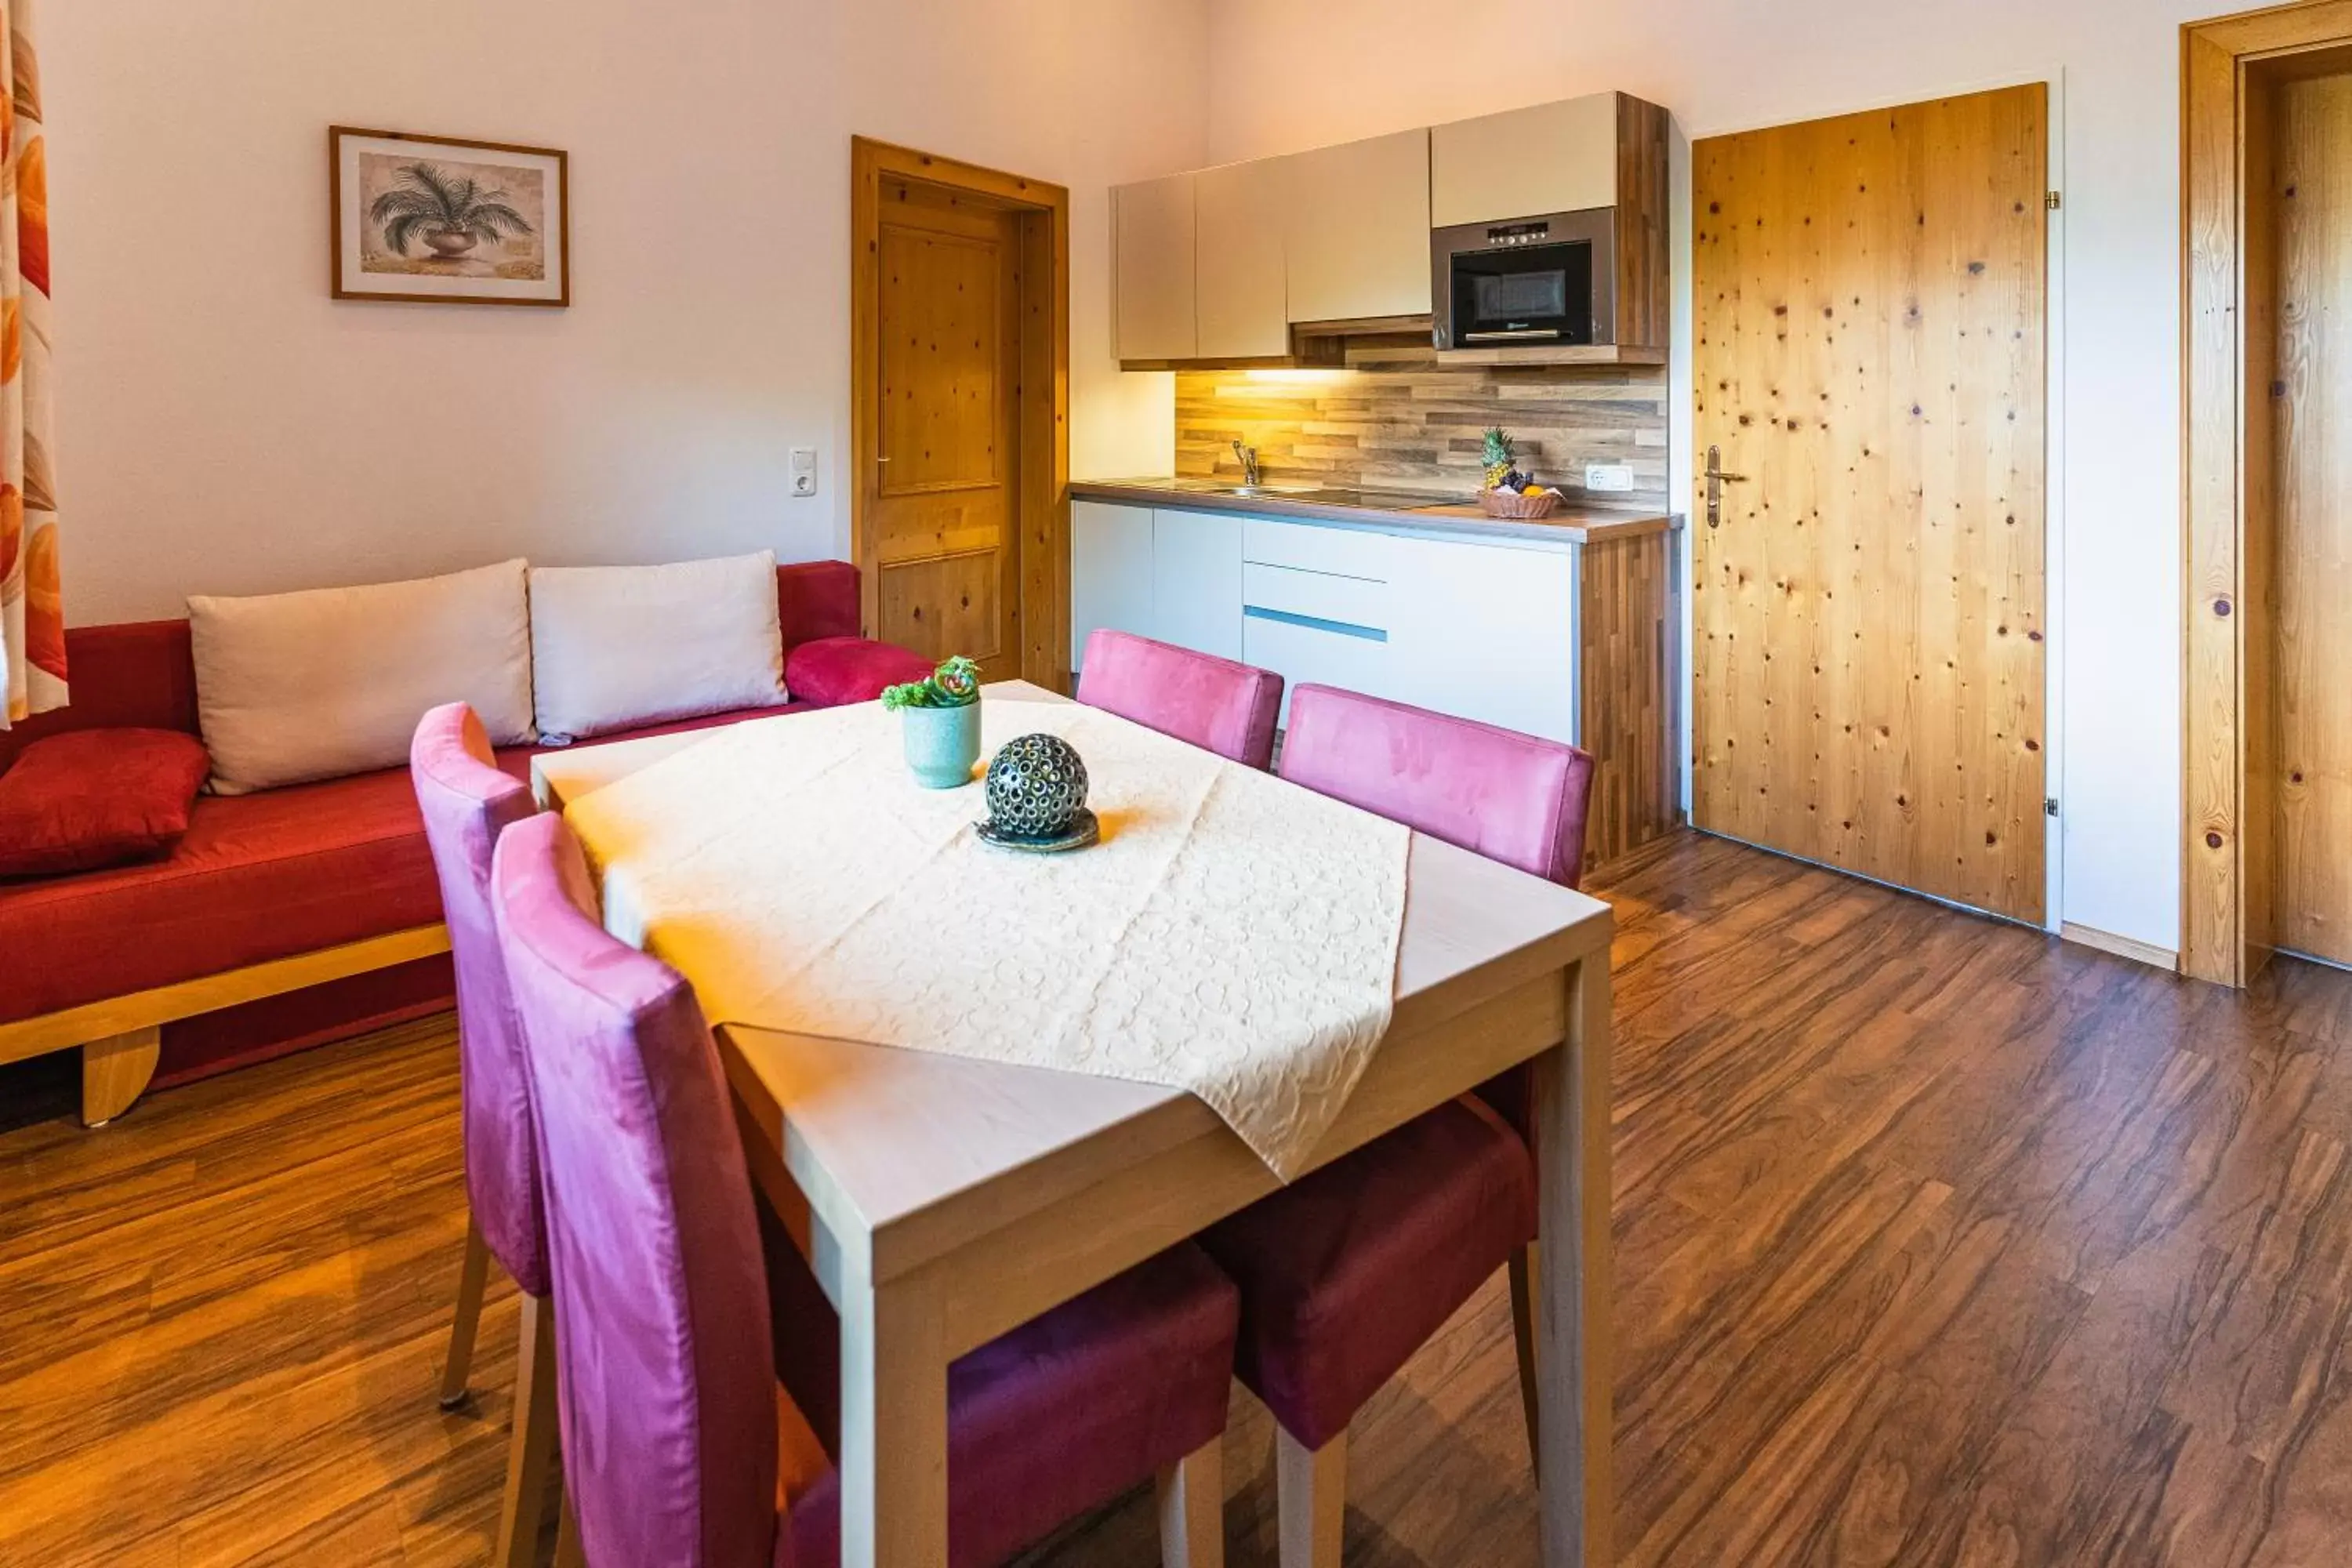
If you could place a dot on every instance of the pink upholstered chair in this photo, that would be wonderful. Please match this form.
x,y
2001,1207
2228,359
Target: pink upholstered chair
x,y
1210,702
467,802
670,1407
1346,1272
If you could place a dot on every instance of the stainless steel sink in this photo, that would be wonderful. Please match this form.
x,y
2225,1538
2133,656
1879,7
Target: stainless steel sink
x,y
1227,488
1324,495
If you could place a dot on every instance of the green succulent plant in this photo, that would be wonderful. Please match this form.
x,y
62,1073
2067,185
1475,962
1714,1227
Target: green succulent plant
x,y
954,684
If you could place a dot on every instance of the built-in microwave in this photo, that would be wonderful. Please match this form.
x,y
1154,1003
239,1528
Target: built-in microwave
x,y
1532,282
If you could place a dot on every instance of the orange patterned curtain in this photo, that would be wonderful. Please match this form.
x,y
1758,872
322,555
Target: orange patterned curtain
x,y
32,607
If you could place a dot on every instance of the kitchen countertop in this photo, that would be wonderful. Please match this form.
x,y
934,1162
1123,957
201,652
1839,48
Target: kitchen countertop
x,y
1383,510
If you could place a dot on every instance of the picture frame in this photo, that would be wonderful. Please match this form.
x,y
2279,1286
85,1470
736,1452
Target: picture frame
x,y
447,220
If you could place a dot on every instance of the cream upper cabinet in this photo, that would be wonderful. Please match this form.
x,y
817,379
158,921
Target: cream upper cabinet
x,y
1357,229
1525,162
1153,236
1239,247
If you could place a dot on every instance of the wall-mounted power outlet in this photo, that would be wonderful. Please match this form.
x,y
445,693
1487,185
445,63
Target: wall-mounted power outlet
x,y
1609,477
803,470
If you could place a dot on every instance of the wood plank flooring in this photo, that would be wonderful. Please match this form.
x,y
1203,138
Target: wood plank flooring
x,y
1939,1243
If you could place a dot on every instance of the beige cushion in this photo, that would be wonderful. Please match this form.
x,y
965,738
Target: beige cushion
x,y
328,681
617,647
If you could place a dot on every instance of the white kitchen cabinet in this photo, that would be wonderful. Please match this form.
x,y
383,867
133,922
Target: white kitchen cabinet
x,y
1111,570
1355,240
1196,576
1525,162
1153,227
1304,653
1487,631
1241,286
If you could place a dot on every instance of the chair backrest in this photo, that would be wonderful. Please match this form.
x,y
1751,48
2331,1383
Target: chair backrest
x,y
466,803
1212,703
1509,796
667,1370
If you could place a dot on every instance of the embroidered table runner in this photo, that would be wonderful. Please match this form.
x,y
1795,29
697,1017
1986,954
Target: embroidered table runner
x,y
1232,935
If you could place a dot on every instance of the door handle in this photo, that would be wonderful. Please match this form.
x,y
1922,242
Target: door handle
x,y
1716,479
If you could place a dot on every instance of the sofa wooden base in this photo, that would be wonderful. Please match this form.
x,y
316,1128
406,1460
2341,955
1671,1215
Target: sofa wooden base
x,y
115,1071
121,1037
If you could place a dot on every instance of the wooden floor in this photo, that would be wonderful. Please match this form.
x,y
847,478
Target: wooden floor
x,y
1937,1243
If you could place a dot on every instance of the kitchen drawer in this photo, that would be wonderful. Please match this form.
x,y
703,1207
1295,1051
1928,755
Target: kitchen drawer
x,y
1341,551
1300,653
1317,595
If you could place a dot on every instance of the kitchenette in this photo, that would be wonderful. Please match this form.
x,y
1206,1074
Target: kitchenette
x,y
1422,410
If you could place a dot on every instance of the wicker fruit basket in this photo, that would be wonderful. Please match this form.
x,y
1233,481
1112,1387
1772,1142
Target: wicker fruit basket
x,y
1516,507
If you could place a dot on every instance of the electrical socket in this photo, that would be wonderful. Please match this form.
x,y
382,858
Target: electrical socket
x,y
803,465
1609,477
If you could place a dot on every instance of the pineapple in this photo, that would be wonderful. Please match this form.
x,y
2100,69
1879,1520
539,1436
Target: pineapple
x,y
1501,458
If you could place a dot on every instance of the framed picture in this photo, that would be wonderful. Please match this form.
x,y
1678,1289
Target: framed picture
x,y
440,220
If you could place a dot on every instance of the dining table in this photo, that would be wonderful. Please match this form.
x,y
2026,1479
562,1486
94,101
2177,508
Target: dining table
x,y
944,1200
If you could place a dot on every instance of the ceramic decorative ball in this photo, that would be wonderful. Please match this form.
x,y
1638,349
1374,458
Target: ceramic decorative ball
x,y
1036,787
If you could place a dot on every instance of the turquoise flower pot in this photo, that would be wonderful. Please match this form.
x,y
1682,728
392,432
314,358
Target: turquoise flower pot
x,y
943,744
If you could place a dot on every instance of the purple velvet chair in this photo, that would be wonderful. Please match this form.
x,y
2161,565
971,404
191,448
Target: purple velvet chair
x,y
466,803
1346,1272
670,1407
1210,702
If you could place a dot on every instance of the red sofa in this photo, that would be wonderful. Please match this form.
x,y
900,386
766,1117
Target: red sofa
x,y
295,916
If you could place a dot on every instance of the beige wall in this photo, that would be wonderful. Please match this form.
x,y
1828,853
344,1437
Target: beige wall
x,y
225,426
1726,65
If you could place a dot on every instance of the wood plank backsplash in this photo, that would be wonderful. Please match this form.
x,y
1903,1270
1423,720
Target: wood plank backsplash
x,y
1394,421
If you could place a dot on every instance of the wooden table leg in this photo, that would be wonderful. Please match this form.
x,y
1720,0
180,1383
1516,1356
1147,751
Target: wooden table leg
x,y
1573,1304
894,1423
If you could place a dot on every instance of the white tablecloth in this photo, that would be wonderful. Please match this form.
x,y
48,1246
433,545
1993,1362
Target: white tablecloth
x,y
1232,935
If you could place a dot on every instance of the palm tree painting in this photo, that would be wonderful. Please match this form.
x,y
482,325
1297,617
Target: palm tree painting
x,y
452,213
437,218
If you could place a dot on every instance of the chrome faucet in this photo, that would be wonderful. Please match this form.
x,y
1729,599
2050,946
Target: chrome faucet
x,y
1248,455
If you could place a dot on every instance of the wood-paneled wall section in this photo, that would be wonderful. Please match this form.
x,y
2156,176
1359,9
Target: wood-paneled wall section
x,y
1631,622
1394,421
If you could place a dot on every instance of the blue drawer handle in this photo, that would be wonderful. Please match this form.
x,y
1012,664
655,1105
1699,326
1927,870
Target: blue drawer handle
x,y
1315,623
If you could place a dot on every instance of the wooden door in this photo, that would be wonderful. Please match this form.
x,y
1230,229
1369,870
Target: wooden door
x,y
943,504
2309,197
1869,658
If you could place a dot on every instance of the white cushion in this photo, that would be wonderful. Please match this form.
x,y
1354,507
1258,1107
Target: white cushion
x,y
615,646
291,686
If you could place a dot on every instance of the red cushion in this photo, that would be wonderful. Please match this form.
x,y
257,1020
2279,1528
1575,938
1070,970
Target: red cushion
x,y
138,674
1348,1271
257,877
816,599
831,672
96,797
